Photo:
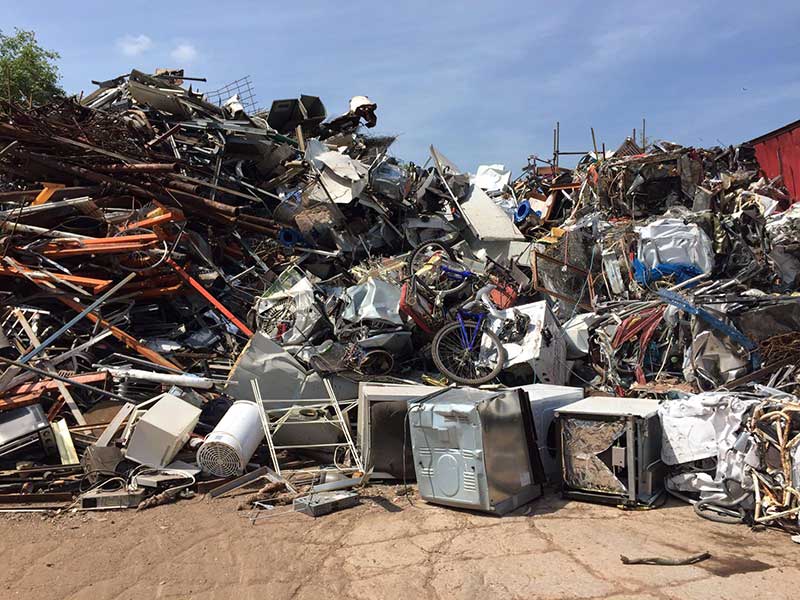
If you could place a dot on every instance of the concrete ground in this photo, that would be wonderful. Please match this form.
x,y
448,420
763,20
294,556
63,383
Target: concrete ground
x,y
388,548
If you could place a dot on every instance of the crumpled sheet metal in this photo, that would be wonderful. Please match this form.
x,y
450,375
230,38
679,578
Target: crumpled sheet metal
x,y
584,441
342,177
488,221
711,358
671,241
294,306
280,376
700,426
374,300
707,426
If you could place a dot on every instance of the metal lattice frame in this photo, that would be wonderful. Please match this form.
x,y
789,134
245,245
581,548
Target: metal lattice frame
x,y
272,427
244,88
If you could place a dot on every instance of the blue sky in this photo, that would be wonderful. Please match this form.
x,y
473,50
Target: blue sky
x,y
483,81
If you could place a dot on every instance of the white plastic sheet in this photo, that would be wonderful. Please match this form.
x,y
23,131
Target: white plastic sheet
x,y
492,178
344,178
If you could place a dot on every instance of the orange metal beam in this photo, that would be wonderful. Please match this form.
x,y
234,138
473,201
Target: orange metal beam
x,y
207,295
96,285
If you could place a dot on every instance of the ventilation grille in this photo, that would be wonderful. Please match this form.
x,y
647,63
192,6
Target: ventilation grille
x,y
219,459
470,481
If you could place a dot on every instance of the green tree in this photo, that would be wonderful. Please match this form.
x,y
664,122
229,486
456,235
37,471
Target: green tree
x,y
28,72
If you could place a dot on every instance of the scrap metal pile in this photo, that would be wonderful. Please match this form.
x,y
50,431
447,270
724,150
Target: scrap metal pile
x,y
195,298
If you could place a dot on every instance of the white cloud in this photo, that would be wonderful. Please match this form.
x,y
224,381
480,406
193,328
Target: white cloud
x,y
134,45
184,53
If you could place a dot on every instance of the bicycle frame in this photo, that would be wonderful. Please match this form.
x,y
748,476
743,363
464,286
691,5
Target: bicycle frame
x,y
456,274
467,341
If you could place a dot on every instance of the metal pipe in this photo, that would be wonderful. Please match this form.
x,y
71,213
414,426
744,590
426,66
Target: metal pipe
x,y
33,230
163,136
138,168
183,380
68,325
58,377
47,206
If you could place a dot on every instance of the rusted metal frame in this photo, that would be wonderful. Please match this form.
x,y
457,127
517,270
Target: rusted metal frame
x,y
36,389
96,177
587,274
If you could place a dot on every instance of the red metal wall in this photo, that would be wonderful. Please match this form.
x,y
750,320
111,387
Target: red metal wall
x,y
780,155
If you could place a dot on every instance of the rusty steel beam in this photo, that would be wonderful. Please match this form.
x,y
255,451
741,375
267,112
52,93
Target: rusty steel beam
x,y
207,295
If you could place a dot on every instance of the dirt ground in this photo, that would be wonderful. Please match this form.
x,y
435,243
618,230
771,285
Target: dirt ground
x,y
388,548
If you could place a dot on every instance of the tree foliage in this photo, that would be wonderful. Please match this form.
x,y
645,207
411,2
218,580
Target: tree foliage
x,y
28,72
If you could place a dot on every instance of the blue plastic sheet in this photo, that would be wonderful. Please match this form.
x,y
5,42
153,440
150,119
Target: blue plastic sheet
x,y
645,275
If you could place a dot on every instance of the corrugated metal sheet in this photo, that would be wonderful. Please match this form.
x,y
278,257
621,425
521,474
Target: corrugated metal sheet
x,y
778,153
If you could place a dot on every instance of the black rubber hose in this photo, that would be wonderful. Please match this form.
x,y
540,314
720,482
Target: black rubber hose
x,y
722,511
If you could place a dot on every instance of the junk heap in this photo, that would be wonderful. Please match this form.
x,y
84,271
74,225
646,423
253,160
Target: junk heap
x,y
196,299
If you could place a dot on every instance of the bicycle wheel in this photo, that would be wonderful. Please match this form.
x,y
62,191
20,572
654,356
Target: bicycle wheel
x,y
376,362
434,278
423,252
468,366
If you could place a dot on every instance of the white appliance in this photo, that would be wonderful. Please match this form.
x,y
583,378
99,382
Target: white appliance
x,y
384,454
227,450
541,353
475,449
162,431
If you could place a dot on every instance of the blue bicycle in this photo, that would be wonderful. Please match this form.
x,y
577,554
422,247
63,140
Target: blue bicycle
x,y
466,350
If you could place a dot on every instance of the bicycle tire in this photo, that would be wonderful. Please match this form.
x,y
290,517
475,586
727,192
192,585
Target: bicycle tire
x,y
458,377
414,264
